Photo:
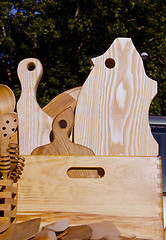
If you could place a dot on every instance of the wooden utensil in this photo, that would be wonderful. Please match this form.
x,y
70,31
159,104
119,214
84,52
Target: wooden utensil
x,y
105,230
82,232
4,226
45,234
13,150
7,100
5,165
58,226
34,123
113,105
61,145
8,126
21,231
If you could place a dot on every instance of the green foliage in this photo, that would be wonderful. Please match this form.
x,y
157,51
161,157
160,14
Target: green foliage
x,y
65,35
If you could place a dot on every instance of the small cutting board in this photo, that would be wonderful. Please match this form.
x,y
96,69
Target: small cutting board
x,y
34,123
113,105
61,144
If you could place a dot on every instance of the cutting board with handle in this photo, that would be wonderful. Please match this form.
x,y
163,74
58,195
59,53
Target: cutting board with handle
x,y
34,123
61,144
113,106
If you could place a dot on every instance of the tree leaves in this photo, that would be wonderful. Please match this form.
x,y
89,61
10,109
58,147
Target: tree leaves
x,y
65,35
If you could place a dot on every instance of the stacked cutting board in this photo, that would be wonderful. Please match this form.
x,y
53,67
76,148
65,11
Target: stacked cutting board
x,y
102,162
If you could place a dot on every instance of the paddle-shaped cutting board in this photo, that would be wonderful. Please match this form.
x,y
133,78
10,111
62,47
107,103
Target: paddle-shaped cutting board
x,y
34,123
113,105
61,145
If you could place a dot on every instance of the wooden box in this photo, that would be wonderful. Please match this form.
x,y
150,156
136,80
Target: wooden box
x,y
128,192
8,201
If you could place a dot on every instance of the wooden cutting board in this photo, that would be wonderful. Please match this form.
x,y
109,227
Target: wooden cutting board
x,y
62,101
61,145
34,123
113,105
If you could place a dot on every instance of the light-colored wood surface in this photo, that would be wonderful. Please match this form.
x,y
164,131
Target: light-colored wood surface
x,y
129,194
8,123
7,100
61,145
34,123
113,105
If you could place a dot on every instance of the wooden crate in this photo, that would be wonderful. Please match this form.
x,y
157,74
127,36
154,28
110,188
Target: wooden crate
x,y
8,201
129,194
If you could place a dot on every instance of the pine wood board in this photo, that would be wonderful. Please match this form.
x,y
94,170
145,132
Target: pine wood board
x,y
113,105
34,123
129,194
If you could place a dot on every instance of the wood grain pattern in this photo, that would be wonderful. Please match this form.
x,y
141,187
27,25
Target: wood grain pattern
x,y
113,105
7,100
21,231
61,145
129,194
34,123
62,101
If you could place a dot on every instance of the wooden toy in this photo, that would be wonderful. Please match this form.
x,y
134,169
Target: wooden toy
x,y
113,105
7,100
34,123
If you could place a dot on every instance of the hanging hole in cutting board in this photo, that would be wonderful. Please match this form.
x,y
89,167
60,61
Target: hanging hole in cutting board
x,y
110,63
63,124
80,170
31,66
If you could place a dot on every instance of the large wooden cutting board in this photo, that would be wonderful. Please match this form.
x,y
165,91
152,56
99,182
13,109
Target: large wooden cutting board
x,y
113,105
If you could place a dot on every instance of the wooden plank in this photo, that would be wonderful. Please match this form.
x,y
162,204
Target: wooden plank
x,y
130,193
34,123
113,105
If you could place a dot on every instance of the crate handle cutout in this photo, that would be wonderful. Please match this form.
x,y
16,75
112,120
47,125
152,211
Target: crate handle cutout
x,y
79,172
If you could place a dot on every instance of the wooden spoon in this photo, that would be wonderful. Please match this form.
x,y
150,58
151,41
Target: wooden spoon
x,y
58,226
104,230
82,232
45,234
4,226
7,100
21,231
8,126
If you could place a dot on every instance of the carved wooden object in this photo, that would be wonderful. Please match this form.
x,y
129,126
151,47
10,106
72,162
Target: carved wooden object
x,y
113,105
